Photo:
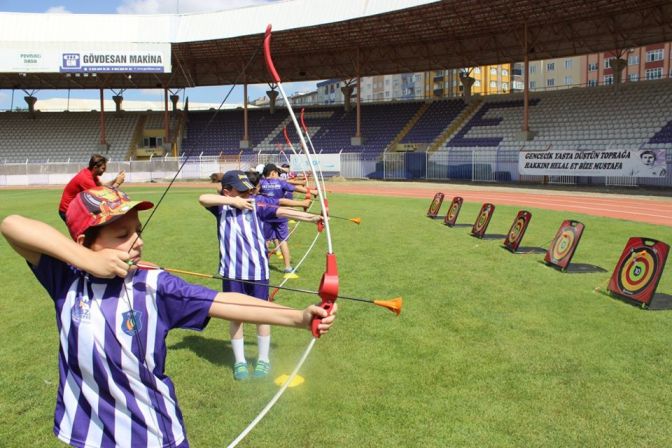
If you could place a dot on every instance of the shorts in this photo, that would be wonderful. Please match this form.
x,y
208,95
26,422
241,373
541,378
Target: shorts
x,y
258,289
278,230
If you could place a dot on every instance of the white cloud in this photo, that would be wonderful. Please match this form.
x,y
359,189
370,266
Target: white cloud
x,y
185,6
58,10
151,92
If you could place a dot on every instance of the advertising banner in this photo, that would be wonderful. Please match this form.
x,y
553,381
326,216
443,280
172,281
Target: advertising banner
x,y
73,57
328,163
607,162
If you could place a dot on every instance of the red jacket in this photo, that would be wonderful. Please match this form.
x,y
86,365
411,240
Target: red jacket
x,y
82,181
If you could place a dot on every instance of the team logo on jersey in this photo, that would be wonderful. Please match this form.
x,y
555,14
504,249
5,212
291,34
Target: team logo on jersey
x,y
132,323
81,309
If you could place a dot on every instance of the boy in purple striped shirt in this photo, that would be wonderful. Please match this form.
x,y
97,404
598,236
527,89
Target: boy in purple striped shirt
x,y
278,229
113,320
243,257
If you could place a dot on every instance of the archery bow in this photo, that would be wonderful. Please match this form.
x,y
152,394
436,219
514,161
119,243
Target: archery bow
x,y
328,289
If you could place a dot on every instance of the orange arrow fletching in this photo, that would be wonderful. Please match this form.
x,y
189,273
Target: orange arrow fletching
x,y
356,220
393,305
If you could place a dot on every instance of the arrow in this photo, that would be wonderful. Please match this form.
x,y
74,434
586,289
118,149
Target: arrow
x,y
393,305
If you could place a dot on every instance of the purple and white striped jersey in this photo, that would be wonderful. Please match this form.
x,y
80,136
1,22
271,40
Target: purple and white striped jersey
x,y
242,248
276,188
112,387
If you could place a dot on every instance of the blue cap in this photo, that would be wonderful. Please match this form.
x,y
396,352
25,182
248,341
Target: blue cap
x,y
237,179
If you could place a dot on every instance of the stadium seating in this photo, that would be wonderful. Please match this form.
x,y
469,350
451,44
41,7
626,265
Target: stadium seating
x,y
435,119
63,136
631,116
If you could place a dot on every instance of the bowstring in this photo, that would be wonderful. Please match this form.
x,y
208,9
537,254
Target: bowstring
x,y
141,349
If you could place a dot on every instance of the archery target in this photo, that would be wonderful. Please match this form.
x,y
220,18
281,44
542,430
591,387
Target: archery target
x,y
638,271
564,244
453,211
481,224
517,230
435,206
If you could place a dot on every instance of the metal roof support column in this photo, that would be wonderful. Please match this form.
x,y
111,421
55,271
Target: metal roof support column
x,y
166,122
103,139
245,142
525,133
526,85
357,139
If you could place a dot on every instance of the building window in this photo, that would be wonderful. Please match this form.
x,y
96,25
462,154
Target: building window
x,y
550,82
607,62
592,82
505,72
505,86
533,69
608,80
493,84
550,66
633,60
592,67
654,73
533,84
654,55
633,77
568,63
477,83
568,80
493,71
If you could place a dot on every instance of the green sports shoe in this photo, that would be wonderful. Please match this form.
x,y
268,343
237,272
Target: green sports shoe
x,y
240,371
262,369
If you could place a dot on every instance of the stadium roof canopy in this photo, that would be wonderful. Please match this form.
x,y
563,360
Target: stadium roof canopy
x,y
319,39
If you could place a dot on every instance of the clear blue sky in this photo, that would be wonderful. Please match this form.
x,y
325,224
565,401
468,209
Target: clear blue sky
x,y
205,94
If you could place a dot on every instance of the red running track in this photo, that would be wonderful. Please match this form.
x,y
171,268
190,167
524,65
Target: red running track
x,y
648,209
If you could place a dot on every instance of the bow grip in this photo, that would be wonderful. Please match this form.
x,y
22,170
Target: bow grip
x,y
328,291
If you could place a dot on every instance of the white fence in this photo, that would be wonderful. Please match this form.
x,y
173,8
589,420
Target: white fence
x,y
467,164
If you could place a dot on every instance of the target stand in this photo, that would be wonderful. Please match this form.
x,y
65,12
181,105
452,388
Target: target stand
x,y
517,230
435,206
484,217
453,211
638,271
564,244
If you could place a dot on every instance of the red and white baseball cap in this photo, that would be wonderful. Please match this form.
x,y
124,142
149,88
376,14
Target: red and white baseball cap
x,y
99,206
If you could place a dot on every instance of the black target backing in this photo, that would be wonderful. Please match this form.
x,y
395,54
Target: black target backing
x,y
638,271
483,219
453,211
435,206
517,230
564,244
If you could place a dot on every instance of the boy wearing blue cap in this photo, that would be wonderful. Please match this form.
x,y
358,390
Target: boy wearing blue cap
x,y
243,257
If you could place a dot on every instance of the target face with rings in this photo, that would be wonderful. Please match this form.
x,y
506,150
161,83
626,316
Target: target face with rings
x,y
638,271
435,206
453,211
564,244
517,230
481,224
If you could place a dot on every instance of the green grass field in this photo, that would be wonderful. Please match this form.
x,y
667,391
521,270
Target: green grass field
x,y
491,349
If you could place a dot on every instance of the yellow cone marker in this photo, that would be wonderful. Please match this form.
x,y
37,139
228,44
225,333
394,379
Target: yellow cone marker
x,y
290,276
297,381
